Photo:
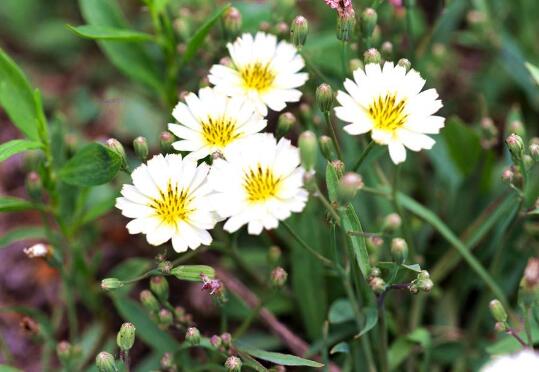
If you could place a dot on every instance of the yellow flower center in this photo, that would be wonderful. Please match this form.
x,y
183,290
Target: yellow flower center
x,y
172,206
219,132
261,184
387,113
257,76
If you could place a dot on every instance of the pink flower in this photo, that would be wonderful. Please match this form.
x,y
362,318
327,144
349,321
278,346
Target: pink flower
x,y
214,286
396,3
344,7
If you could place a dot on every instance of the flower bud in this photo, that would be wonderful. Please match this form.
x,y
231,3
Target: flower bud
x,y
403,62
111,283
167,361
325,97
369,17
105,362
298,31
64,352
165,140
423,275
305,112
516,147
489,133
497,311
232,21
233,364
226,338
282,29
534,151
339,168
308,149
374,272
140,144
285,122
501,327
372,56
216,341
159,286
507,175
164,318
528,161
274,255
531,273
34,187
192,336
345,26
399,250
309,181
118,148
377,284
278,277
165,267
387,50
392,222
516,126
424,285
39,250
355,63
327,147
149,301
348,187
126,336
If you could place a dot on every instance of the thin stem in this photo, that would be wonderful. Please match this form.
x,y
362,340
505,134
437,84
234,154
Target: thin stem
x,y
363,156
409,27
344,58
307,247
400,212
382,342
527,325
244,326
327,204
71,308
333,132
512,332
311,66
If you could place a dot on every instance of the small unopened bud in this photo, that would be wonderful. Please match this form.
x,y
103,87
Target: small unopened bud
x,y
339,168
165,318
387,50
355,63
507,175
298,31
375,272
126,336
227,339
534,151
39,250
216,341
516,126
325,97
372,55
305,112
497,311
528,161
516,146
278,277
345,26
308,149
117,147
149,301
399,250
140,144
286,121
327,147
165,267
274,255
64,352
374,243
165,140
425,285
108,284
501,327
233,364
264,26
531,273
392,222
34,187
232,21
369,17
377,284
105,362
309,181
423,275
167,361
159,286
348,187
192,336
282,29
489,133
403,62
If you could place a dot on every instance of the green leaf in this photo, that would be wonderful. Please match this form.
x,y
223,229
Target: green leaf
x,y
415,267
6,368
93,165
462,144
12,204
341,311
332,182
198,38
534,71
8,149
22,233
17,98
109,33
341,347
282,359
192,272
160,5
370,314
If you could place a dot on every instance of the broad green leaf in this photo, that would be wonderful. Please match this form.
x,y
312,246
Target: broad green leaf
x,y
332,182
6,368
8,149
534,71
93,165
12,204
341,347
22,233
192,272
160,5
109,33
370,314
198,38
282,359
17,98
341,311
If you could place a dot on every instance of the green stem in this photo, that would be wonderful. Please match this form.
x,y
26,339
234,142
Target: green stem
x,y
344,58
527,325
307,247
363,156
398,208
312,67
71,308
327,204
409,4
382,342
333,132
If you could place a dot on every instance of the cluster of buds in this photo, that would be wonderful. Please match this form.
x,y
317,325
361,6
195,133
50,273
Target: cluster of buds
x,y
500,315
377,284
278,277
68,354
422,283
223,343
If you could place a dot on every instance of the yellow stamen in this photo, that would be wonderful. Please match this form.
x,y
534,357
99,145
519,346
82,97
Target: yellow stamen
x,y
257,76
388,114
219,132
173,206
261,184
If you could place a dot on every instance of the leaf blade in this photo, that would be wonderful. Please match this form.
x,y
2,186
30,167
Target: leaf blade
x,y
10,148
280,358
94,32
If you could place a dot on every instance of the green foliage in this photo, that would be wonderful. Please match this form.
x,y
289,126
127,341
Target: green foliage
x,y
108,33
8,149
12,204
282,359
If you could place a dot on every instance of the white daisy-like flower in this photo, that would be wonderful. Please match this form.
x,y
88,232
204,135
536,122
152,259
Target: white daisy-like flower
x,y
524,361
169,201
212,121
389,103
259,183
264,71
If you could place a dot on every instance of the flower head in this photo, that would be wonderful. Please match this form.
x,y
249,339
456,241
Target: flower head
x,y
524,361
258,183
388,102
169,201
264,71
343,7
212,121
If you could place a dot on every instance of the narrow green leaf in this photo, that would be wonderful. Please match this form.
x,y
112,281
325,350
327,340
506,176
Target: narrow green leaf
x,y
192,272
415,267
534,71
93,165
340,311
6,368
198,38
341,347
332,182
350,222
8,149
13,204
279,358
160,5
109,33
22,233
370,315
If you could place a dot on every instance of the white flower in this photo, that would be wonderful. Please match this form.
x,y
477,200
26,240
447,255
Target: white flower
x,y
212,121
264,71
524,361
389,103
38,250
169,200
258,183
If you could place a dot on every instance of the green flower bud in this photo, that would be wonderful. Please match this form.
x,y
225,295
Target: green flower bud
x,y
274,255
105,362
355,63
309,181
339,168
345,26
227,339
165,140
278,277
425,285
216,341
534,151
308,149
298,31
516,147
372,56
489,133
403,62
232,21
117,147
233,364
282,29
325,97
516,126
375,272
159,286
392,222
399,250
167,361
348,187
165,267
377,284
165,318
126,336
327,147
387,50
497,311
508,175
285,122
423,275
192,336
111,283
64,352
149,301
140,144
34,187
501,327
369,17
528,161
